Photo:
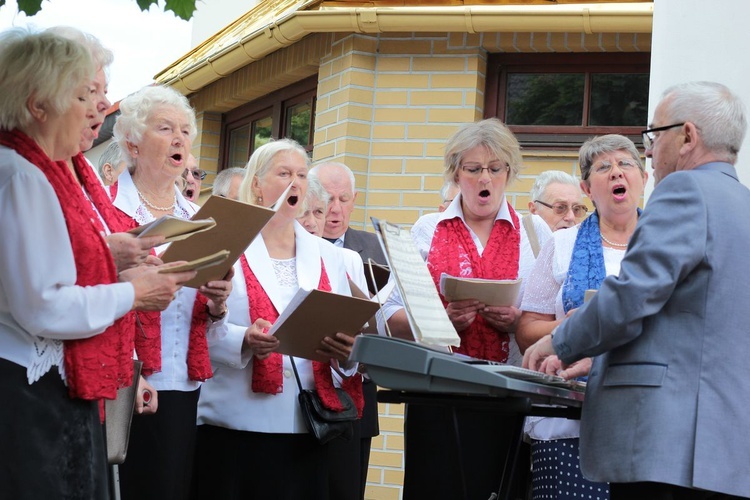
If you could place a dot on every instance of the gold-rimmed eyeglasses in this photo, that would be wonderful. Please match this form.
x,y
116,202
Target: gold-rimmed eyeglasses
x,y
579,211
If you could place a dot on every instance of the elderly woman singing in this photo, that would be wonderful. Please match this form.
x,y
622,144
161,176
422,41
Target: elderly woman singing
x,y
155,130
573,261
66,332
252,440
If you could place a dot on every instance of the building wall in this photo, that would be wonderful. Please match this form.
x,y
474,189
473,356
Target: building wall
x,y
386,105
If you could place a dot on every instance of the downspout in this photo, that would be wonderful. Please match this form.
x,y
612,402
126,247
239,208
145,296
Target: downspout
x,y
575,18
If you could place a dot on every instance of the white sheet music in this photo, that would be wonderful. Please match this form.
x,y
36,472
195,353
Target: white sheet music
x,y
427,316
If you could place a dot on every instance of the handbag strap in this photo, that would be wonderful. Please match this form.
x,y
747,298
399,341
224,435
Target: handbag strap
x,y
296,374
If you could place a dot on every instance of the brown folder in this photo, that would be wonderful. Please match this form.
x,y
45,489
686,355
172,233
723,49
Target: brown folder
x,y
313,315
237,224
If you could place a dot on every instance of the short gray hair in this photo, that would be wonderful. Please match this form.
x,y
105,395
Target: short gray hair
x,y
551,177
316,191
716,111
260,162
605,144
44,65
136,109
315,171
101,55
223,180
111,155
490,133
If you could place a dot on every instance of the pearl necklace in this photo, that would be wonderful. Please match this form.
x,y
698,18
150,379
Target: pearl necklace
x,y
151,205
619,245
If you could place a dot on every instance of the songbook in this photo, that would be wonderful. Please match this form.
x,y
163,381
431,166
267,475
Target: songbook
x,y
372,325
425,311
198,264
173,228
488,292
237,224
589,294
313,315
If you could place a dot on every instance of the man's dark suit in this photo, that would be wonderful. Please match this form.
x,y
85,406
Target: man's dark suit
x,y
341,452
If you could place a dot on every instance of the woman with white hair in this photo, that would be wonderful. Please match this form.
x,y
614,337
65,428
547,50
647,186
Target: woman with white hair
x,y
252,439
66,335
155,131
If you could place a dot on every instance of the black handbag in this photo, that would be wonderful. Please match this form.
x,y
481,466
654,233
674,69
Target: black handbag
x,y
321,422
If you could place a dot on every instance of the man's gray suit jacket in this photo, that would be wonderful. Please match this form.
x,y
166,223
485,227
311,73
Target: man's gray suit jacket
x,y
668,396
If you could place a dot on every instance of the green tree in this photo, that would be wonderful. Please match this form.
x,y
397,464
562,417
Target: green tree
x,y
183,9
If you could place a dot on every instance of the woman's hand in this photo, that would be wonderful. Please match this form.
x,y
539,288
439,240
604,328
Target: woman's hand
x,y
258,341
462,313
338,348
129,251
217,293
504,319
149,404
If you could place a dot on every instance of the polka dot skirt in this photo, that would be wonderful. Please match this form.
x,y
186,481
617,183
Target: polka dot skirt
x,y
556,473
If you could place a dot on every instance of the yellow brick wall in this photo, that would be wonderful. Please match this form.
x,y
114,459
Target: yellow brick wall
x,y
386,105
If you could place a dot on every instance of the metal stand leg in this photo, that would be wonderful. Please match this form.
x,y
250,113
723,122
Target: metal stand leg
x,y
114,482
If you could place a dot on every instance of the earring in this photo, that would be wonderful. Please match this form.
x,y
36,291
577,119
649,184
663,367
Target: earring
x,y
260,199
136,151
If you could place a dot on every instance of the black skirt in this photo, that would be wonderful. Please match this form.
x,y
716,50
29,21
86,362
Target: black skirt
x,y
52,446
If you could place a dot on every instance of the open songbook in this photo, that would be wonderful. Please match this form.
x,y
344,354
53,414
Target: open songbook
x,y
425,311
313,315
488,292
173,228
236,225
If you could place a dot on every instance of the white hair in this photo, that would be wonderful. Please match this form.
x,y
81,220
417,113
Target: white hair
x,y
551,177
262,159
314,172
223,180
136,109
716,111
43,65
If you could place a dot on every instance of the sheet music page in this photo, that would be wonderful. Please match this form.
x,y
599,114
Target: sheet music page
x,y
427,316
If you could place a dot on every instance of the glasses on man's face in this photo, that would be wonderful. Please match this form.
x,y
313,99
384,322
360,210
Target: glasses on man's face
x,y
605,167
495,169
649,135
197,173
579,211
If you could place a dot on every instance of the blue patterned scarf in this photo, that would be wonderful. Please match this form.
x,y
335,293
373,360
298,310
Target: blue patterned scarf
x,y
586,270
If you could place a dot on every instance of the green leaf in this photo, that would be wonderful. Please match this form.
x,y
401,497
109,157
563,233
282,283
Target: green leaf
x,y
145,4
183,9
29,7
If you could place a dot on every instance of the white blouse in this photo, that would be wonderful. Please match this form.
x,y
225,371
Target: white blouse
x,y
423,231
175,319
40,304
544,295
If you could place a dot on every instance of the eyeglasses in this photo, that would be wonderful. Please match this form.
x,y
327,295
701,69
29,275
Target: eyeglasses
x,y
494,168
605,166
197,173
649,137
579,211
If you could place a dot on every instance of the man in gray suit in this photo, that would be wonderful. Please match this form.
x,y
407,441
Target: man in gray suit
x,y
349,459
666,411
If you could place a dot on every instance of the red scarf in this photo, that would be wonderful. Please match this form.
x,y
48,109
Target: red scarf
x,y
453,252
95,367
267,373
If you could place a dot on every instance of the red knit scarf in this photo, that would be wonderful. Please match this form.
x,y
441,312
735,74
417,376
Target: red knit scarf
x,y
267,373
95,367
453,252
